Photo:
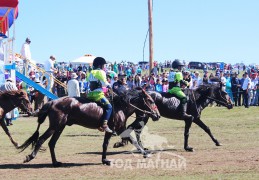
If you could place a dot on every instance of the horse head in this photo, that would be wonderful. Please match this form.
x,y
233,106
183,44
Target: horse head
x,y
215,93
149,105
23,102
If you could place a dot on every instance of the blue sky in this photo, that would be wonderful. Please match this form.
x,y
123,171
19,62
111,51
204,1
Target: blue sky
x,y
197,30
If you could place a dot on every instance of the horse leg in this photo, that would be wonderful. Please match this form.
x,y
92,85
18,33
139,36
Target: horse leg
x,y
138,133
2,123
52,144
201,124
106,140
126,134
37,147
188,124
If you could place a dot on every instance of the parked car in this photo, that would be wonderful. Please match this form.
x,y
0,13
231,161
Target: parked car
x,y
196,65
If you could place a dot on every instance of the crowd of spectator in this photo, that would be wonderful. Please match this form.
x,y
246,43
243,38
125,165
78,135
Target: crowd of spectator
x,y
243,89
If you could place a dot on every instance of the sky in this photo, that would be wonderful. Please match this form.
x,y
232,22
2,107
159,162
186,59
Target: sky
x,y
190,30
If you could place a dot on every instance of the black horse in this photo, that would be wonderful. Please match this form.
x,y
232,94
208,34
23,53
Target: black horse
x,y
169,107
10,100
68,111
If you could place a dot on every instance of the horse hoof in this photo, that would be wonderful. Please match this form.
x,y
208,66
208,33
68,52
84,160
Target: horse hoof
x,y
147,155
27,159
57,164
218,144
189,149
118,144
106,162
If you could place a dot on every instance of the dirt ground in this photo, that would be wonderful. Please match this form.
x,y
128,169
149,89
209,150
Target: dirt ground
x,y
79,149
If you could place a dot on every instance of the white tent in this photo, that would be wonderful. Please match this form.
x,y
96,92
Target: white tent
x,y
84,60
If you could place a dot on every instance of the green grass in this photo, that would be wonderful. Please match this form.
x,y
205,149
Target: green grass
x,y
79,149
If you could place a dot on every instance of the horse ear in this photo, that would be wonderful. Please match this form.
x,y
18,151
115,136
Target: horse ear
x,y
22,93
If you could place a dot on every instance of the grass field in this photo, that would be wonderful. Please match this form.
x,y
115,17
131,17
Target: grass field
x,y
79,149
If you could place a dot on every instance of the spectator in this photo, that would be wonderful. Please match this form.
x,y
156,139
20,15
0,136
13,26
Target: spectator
x,y
198,79
79,68
49,67
130,82
223,81
60,89
165,85
241,91
256,103
73,86
171,78
158,86
254,81
234,87
228,86
246,88
137,81
205,79
187,78
26,55
9,85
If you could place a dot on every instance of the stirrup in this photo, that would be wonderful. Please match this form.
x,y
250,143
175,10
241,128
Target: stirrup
x,y
107,129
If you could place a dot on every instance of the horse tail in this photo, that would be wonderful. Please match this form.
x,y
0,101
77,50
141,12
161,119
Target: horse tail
x,y
41,118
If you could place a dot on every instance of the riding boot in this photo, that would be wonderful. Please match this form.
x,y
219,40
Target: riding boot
x,y
106,127
183,107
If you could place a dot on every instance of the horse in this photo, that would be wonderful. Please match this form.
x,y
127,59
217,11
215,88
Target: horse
x,y
72,110
168,106
10,100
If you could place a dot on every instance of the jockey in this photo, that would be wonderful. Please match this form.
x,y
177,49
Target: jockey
x,y
177,91
97,80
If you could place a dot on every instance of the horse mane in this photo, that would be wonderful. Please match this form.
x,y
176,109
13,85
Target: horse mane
x,y
13,93
205,89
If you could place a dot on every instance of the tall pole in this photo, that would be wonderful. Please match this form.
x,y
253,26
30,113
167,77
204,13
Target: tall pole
x,y
150,19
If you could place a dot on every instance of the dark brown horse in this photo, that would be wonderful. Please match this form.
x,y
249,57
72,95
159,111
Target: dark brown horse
x,y
68,111
10,100
169,108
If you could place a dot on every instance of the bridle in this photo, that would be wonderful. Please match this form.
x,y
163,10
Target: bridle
x,y
142,110
218,101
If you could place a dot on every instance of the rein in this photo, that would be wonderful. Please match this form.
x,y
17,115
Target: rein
x,y
218,101
144,111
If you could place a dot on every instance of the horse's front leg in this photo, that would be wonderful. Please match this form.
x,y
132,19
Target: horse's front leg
x,y
188,124
2,123
126,135
106,140
201,124
138,134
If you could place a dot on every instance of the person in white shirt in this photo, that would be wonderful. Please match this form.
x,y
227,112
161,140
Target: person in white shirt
x,y
197,80
246,88
73,86
26,55
223,80
49,68
9,85
254,81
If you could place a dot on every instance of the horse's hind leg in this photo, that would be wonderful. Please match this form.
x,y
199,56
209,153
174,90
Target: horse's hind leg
x,y
2,123
37,147
188,124
201,124
106,140
52,144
